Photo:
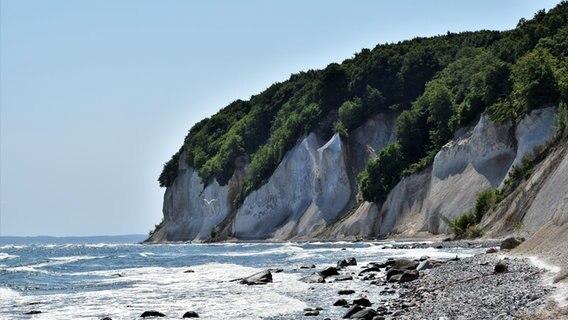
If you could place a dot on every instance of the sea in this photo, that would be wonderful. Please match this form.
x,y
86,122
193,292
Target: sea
x,y
122,280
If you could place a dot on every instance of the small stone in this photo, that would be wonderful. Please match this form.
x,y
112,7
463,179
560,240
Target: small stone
x,y
33,312
188,271
312,313
491,250
309,266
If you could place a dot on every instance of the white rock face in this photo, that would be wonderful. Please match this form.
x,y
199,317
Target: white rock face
x,y
478,160
309,190
312,192
190,210
405,204
551,202
360,223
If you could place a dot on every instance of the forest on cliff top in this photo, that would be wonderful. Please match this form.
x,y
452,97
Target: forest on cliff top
x,y
436,84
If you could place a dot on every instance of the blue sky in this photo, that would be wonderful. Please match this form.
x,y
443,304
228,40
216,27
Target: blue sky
x,y
96,95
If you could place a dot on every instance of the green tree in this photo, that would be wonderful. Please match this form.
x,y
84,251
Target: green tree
x,y
382,173
351,114
534,82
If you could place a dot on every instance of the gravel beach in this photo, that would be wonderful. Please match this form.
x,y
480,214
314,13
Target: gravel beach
x,y
495,285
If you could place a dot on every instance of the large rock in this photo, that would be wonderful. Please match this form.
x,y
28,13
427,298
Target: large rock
x,y
259,278
351,311
405,276
366,314
405,264
329,271
362,302
511,243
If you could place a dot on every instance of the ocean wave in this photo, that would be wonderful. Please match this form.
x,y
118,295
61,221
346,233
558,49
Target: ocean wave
x,y
146,254
7,256
6,293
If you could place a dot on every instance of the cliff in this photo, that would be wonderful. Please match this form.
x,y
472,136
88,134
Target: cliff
x,y
418,129
313,192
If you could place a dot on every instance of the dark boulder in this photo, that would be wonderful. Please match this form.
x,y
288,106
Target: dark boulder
x,y
345,292
106,318
406,276
366,314
491,250
373,268
188,271
308,266
362,302
405,264
33,312
393,272
501,267
312,313
340,303
262,277
351,311
313,278
511,243
351,261
329,271
152,313
190,314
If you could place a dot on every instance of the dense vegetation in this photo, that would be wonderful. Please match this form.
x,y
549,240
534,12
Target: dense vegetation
x,y
438,84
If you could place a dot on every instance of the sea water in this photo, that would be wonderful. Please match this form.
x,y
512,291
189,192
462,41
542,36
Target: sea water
x,y
121,281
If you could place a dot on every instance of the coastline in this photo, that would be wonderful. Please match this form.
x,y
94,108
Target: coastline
x,y
531,280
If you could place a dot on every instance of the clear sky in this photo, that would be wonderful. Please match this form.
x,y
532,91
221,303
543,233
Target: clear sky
x,y
96,95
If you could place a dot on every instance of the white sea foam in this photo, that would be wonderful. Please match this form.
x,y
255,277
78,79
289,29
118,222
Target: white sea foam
x,y
4,255
55,261
146,254
7,293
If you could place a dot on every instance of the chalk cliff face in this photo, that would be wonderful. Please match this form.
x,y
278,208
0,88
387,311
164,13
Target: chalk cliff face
x,y
311,189
476,160
312,193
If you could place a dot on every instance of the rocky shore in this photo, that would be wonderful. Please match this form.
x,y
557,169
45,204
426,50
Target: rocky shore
x,y
485,286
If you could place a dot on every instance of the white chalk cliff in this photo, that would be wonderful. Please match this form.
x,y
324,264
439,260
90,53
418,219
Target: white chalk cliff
x,y
313,192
